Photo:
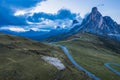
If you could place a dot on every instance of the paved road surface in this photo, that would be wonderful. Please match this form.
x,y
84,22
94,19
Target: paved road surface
x,y
77,65
112,69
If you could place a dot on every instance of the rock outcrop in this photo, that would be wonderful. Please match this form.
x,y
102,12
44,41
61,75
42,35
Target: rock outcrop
x,y
96,23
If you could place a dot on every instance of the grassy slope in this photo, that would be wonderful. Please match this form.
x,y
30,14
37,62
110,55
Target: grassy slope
x,y
92,52
115,67
20,60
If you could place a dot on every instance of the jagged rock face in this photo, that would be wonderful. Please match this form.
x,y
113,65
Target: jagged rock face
x,y
96,23
93,21
110,26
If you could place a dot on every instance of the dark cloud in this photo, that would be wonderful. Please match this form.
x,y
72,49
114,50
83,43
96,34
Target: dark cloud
x,y
37,17
61,14
6,11
6,18
64,14
20,3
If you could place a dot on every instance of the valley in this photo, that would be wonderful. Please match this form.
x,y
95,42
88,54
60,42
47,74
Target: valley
x,y
62,45
90,52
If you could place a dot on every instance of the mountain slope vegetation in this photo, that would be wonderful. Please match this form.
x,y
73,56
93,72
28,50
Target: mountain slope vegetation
x,y
20,59
92,52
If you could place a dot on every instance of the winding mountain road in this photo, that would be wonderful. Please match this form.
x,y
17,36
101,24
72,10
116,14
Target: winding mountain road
x,y
77,65
112,69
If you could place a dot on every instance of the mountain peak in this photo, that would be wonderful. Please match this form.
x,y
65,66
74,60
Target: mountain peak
x,y
95,14
94,10
98,24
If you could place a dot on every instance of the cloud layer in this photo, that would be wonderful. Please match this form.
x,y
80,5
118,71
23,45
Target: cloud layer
x,y
61,15
18,13
7,8
19,3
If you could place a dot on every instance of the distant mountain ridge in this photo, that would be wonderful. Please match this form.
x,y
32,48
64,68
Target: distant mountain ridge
x,y
93,23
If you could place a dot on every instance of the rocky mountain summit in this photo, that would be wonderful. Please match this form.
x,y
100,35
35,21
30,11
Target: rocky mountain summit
x,y
96,23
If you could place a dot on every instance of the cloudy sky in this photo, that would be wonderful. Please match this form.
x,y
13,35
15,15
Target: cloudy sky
x,y
42,12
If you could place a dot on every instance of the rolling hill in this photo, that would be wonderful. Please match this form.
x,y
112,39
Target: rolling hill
x,y
25,59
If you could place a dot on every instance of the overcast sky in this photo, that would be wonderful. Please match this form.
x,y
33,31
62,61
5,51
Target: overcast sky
x,y
106,7
16,12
